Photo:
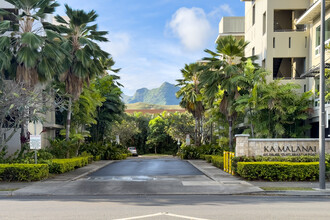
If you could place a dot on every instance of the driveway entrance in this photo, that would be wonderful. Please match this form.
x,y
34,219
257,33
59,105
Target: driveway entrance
x,y
145,176
143,168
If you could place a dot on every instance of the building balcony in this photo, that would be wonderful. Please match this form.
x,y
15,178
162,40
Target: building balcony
x,y
231,26
289,44
312,12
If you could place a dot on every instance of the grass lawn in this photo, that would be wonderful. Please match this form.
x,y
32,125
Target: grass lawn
x,y
287,189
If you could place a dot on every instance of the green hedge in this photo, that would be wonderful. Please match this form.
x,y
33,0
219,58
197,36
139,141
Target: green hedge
x,y
216,161
23,172
278,171
194,152
278,159
65,165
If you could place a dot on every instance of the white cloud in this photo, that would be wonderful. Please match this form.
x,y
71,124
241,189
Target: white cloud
x,y
219,11
119,44
226,8
192,28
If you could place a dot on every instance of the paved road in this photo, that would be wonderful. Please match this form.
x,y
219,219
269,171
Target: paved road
x,y
148,167
165,207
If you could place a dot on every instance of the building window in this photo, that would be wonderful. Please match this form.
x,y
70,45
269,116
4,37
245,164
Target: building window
x,y
305,88
264,21
273,42
305,42
327,33
288,68
253,14
253,51
289,42
284,20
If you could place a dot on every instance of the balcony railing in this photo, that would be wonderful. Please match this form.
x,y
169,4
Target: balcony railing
x,y
290,30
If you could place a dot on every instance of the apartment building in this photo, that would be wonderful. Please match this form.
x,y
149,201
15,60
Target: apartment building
x,y
285,35
49,128
281,45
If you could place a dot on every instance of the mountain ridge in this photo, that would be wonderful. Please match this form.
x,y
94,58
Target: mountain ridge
x,y
164,95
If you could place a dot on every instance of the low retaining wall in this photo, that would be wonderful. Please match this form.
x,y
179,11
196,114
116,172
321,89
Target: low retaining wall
x,y
246,146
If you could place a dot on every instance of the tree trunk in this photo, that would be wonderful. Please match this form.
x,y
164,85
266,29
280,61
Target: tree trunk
x,y
25,135
196,126
202,131
230,120
198,142
211,131
68,120
251,125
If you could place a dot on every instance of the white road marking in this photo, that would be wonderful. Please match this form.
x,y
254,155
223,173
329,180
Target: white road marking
x,y
162,214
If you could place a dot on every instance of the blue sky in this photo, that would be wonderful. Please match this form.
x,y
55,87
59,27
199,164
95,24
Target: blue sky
x,y
151,40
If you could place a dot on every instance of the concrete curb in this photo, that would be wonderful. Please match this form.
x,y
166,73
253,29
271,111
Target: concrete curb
x,y
203,171
294,193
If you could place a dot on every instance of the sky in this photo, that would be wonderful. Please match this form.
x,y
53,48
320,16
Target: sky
x,y
151,40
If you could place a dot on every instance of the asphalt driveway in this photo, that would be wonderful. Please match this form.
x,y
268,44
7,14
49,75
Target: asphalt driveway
x,y
148,167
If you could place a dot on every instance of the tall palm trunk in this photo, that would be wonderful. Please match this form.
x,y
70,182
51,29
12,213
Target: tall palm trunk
x,y
196,130
251,124
68,120
230,120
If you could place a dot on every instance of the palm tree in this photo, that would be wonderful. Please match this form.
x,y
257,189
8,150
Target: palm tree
x,y
253,79
28,49
224,70
191,97
86,57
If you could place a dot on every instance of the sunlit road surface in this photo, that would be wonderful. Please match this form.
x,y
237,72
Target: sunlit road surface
x,y
165,207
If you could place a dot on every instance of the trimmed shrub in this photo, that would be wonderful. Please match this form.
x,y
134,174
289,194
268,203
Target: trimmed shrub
x,y
208,158
97,158
194,152
95,149
189,152
63,148
65,165
23,172
216,160
278,171
277,159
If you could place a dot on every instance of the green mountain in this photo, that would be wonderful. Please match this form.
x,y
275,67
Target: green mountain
x,y
164,95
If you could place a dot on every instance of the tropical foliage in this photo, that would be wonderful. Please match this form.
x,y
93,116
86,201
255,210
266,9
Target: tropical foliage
x,y
29,52
86,59
237,98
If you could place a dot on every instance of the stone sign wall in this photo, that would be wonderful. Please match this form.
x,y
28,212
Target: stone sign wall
x,y
278,147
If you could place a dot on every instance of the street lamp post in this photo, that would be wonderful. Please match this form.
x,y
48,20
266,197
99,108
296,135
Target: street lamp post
x,y
322,99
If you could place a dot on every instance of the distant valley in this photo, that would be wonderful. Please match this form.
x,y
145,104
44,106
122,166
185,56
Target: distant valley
x,y
164,95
